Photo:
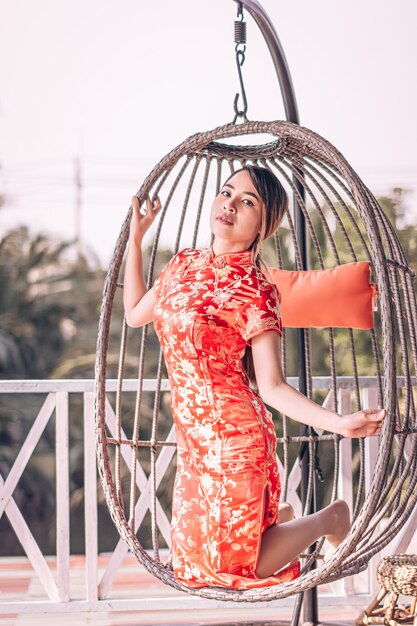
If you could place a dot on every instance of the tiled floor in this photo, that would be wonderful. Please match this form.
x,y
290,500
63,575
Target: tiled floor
x,y
18,582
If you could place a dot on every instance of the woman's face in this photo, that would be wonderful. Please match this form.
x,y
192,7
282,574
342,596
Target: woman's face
x,y
236,211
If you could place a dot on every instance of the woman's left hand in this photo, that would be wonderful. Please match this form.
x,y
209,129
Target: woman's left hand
x,y
364,423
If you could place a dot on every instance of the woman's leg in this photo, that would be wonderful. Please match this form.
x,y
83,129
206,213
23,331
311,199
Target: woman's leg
x,y
283,542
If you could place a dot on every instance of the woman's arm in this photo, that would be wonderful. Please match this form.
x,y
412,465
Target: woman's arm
x,y
277,393
138,302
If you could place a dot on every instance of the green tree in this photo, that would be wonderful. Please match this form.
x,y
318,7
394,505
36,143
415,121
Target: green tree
x,y
38,310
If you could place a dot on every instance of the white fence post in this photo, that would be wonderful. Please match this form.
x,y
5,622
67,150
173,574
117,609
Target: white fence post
x,y
370,400
345,479
90,499
344,483
62,496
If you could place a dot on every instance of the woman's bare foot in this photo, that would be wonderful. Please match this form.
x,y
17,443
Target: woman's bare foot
x,y
340,522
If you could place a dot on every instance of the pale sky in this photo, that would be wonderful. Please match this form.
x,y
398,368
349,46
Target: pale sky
x,y
119,84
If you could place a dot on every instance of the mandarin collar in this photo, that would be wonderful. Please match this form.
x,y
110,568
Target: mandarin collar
x,y
243,258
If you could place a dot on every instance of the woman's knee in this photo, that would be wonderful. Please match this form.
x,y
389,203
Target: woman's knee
x,y
336,515
340,508
286,512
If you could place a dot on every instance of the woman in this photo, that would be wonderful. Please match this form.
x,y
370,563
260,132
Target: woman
x,y
218,320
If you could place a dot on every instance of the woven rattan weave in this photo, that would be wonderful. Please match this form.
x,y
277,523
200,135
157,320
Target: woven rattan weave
x,y
344,223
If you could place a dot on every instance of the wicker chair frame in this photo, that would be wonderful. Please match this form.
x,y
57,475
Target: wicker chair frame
x,y
336,203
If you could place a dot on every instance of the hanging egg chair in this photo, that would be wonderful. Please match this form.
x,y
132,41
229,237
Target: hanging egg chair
x,y
344,224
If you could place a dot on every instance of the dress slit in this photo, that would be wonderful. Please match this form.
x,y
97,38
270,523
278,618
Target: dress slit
x,y
264,508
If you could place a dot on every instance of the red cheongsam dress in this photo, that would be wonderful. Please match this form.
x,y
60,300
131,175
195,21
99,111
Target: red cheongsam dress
x,y
208,308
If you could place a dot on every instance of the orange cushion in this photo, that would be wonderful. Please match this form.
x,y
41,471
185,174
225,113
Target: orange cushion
x,y
342,296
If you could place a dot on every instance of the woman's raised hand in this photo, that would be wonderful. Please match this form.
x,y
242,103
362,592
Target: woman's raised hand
x,y
364,423
140,223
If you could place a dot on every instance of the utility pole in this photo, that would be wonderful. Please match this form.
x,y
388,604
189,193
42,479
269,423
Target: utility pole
x,y
78,202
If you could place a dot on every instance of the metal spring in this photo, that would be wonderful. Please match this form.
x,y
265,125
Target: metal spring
x,y
240,31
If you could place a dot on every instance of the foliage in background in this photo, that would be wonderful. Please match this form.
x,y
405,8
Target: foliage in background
x,y
49,292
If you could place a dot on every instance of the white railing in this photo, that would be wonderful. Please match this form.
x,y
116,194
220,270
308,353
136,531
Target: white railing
x,y
354,589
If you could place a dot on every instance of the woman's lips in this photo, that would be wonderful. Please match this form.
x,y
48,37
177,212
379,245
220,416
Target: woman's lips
x,y
224,221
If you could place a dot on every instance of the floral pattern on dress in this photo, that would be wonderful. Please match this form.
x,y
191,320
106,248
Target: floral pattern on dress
x,y
227,486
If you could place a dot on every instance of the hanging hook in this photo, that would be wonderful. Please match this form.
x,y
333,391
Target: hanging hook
x,y
240,58
240,49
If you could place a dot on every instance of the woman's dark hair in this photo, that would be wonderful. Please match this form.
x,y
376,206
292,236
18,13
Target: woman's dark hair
x,y
275,204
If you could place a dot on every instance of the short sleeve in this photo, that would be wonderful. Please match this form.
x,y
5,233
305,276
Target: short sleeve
x,y
260,313
161,281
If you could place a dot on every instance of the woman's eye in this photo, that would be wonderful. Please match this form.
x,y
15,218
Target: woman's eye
x,y
249,202
224,193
